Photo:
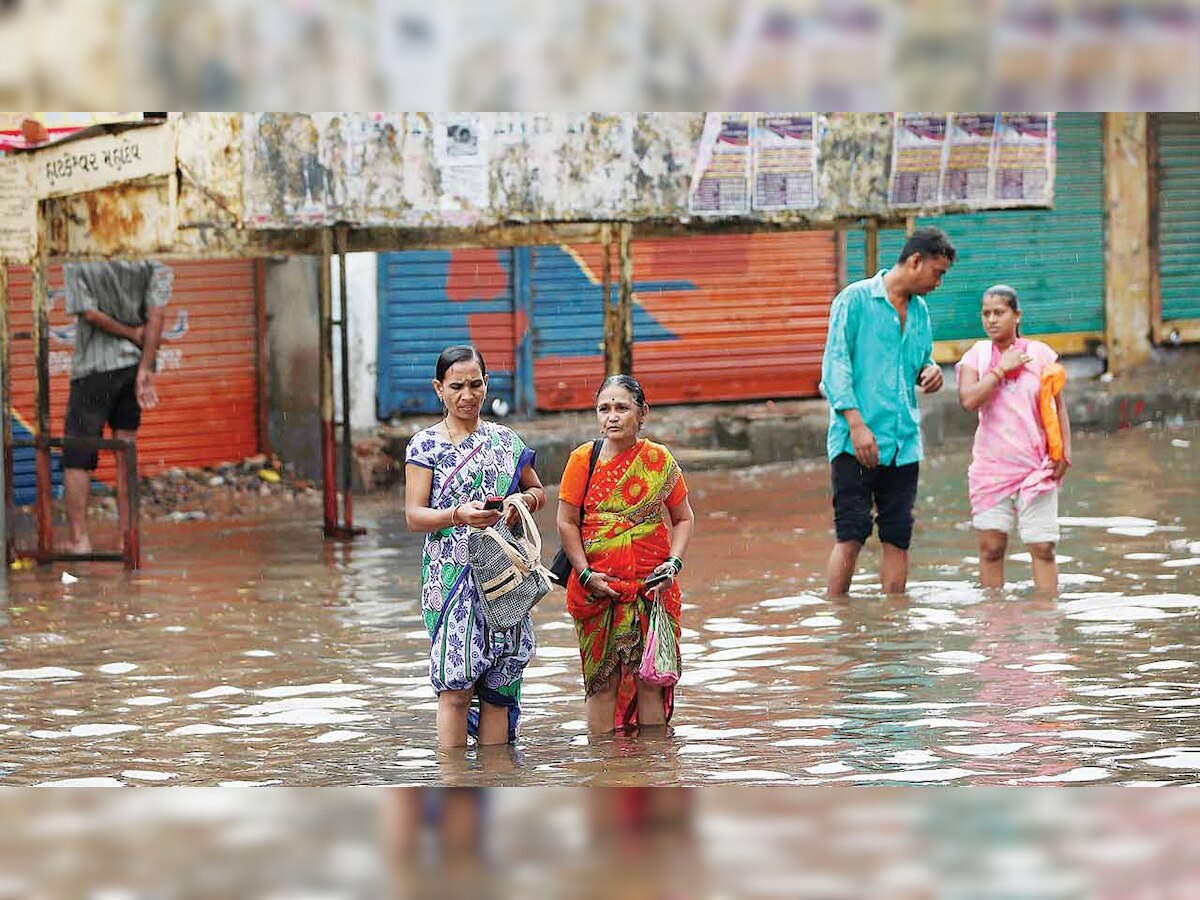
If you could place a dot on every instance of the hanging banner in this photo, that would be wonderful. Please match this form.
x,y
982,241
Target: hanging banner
x,y
92,163
785,161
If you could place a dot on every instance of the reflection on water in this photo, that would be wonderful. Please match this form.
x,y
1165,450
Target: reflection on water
x,y
254,653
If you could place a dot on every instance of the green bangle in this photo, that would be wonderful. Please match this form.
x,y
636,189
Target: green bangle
x,y
584,576
676,562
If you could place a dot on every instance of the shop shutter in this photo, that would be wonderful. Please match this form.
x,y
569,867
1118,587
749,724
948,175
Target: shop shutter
x,y
1054,258
1178,139
208,372
716,317
430,300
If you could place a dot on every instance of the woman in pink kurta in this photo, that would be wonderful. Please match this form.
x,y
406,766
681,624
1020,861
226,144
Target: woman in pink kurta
x,y
1012,478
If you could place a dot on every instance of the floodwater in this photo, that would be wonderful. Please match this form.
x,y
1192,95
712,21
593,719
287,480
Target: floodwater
x,y
252,652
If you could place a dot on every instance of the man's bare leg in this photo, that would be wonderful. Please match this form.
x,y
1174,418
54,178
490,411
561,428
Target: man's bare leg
x,y
842,561
77,486
893,569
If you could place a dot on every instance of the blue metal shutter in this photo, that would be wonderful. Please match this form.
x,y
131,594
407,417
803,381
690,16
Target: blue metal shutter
x,y
24,475
430,300
568,324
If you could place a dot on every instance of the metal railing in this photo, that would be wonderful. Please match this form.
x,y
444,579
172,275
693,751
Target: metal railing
x,y
128,501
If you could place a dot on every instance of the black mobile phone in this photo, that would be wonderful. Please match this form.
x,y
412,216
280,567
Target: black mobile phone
x,y
493,503
657,578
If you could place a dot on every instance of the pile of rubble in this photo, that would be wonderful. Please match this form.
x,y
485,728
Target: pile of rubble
x,y
258,484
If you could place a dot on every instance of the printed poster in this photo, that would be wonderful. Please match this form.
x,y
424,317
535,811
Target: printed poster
x,y
785,161
460,151
966,178
721,182
918,145
18,210
1024,159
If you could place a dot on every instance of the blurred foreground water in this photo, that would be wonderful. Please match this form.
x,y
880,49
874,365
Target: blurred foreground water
x,y
551,843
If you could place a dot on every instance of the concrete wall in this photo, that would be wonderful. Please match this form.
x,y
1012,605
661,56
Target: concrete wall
x,y
361,285
293,363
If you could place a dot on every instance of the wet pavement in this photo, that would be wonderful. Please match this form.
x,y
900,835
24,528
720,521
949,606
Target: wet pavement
x,y
252,652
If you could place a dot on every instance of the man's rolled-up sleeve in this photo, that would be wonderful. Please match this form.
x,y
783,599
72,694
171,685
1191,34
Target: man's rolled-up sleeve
x,y
162,280
80,298
837,370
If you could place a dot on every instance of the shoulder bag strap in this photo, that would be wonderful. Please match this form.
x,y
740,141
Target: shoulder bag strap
x,y
530,537
596,445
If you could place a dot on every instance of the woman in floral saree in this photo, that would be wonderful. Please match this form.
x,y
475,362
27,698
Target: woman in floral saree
x,y
451,468
635,488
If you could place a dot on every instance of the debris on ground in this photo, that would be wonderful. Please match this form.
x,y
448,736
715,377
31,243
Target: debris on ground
x,y
259,483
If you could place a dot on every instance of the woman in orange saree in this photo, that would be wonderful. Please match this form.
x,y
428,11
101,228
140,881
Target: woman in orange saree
x,y
626,501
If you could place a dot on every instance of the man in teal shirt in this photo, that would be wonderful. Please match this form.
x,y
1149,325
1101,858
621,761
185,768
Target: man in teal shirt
x,y
879,350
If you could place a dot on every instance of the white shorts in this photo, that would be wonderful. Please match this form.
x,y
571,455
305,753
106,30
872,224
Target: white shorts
x,y
1037,521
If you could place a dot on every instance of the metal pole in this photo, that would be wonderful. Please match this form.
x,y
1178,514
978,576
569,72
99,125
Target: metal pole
x,y
41,343
325,342
612,359
871,249
6,433
347,450
132,503
625,238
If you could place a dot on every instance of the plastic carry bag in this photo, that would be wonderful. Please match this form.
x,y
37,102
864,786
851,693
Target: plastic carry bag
x,y
661,663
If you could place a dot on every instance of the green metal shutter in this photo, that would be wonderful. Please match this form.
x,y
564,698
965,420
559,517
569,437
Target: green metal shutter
x,y
1178,235
1054,258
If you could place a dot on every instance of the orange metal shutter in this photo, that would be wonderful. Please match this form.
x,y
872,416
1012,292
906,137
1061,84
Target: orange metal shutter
x,y
716,317
208,373
752,326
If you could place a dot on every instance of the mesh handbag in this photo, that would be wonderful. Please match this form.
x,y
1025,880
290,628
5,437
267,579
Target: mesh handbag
x,y
507,566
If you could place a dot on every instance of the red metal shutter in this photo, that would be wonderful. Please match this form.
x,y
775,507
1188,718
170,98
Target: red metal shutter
x,y
208,374
716,317
752,325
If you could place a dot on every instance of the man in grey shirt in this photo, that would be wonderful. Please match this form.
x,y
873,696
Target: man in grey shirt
x,y
119,306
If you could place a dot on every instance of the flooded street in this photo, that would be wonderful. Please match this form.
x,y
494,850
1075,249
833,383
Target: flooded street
x,y
252,652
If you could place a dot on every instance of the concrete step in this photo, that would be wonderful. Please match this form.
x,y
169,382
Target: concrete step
x,y
695,459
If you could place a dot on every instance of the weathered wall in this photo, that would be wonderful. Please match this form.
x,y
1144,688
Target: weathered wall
x,y
261,184
292,363
362,287
394,170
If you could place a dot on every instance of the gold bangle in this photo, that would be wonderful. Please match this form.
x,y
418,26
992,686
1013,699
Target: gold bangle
x,y
454,516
